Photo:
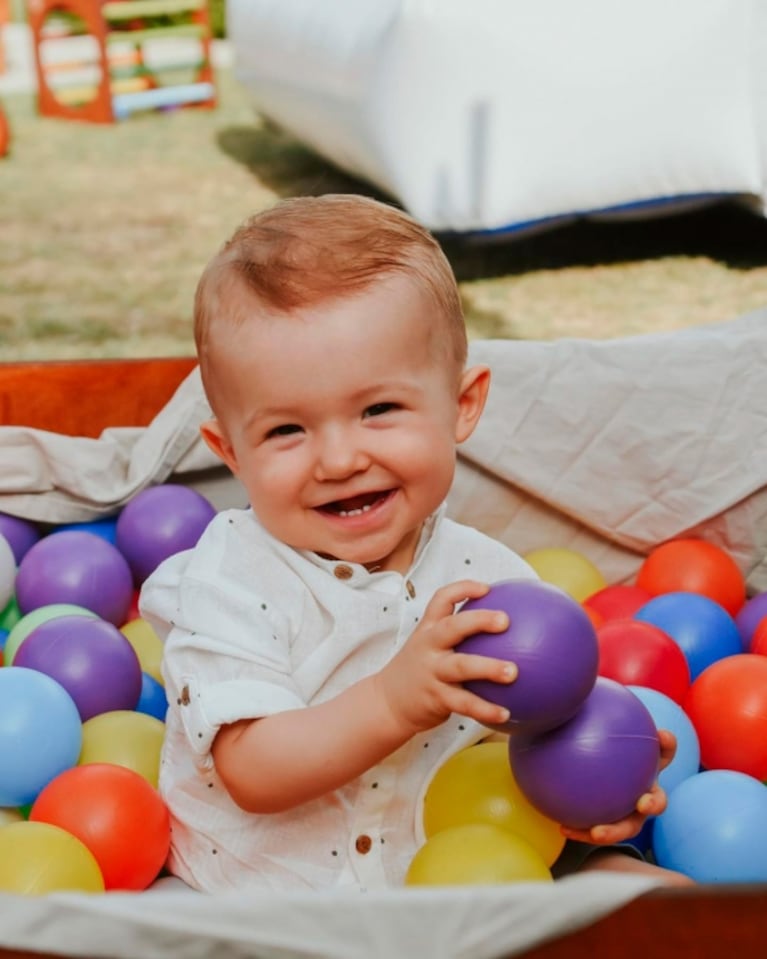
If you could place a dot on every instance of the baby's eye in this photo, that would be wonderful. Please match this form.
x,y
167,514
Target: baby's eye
x,y
378,409
286,429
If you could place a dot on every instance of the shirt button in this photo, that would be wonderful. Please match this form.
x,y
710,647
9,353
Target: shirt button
x,y
342,571
410,589
363,844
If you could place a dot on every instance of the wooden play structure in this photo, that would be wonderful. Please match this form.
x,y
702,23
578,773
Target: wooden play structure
x,y
103,61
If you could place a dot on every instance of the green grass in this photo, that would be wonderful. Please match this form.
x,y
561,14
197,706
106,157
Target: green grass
x,y
105,230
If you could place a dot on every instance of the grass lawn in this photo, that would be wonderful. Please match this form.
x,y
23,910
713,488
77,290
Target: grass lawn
x,y
104,230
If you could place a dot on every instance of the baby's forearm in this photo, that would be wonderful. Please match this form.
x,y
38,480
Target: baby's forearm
x,y
272,764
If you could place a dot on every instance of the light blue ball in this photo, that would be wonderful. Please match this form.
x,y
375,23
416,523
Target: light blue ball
x,y
40,733
669,715
714,828
702,628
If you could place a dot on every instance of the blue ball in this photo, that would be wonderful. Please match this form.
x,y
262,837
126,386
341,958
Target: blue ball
x,y
40,733
152,700
105,528
703,629
669,715
714,828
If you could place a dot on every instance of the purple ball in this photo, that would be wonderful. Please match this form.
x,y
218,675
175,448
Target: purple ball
x,y
158,522
552,641
594,768
79,568
747,619
20,533
90,658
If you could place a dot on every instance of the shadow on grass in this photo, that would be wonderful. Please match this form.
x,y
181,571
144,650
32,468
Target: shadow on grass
x,y
726,232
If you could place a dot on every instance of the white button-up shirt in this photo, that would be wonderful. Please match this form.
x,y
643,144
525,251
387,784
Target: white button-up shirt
x,y
253,627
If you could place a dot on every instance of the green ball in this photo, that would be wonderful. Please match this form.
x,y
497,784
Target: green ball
x,y
35,618
10,615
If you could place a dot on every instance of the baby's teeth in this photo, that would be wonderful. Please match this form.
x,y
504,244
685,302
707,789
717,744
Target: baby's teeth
x,y
353,512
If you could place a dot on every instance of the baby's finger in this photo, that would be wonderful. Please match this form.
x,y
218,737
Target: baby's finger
x,y
463,668
667,742
444,601
464,703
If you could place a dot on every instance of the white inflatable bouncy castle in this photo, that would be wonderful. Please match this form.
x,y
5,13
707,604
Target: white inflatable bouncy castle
x,y
503,115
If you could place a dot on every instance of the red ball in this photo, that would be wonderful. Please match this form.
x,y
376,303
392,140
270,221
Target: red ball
x,y
759,638
117,814
694,566
616,601
727,705
640,654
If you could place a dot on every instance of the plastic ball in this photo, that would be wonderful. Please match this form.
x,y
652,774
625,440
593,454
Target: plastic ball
x,y
476,785
152,700
593,768
552,641
37,858
91,659
10,615
748,618
79,568
714,828
694,566
617,601
727,704
147,644
568,569
116,814
37,617
476,854
636,653
158,522
704,630
7,572
106,528
669,715
758,643
20,533
40,733
125,738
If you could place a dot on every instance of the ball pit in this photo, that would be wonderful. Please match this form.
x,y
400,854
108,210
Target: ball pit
x,y
40,733
592,769
636,653
476,854
704,630
116,814
37,859
91,659
79,568
727,704
694,566
552,641
568,569
476,785
158,522
714,828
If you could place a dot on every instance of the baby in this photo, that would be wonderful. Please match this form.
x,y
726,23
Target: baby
x,y
310,666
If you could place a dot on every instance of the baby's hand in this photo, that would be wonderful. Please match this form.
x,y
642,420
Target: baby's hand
x,y
421,685
652,803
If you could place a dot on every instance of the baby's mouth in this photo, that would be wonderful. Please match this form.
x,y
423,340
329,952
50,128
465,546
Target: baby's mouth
x,y
356,505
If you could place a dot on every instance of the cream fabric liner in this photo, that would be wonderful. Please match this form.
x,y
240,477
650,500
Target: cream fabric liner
x,y
608,447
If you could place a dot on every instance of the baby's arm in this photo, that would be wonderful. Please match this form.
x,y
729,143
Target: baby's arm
x,y
280,761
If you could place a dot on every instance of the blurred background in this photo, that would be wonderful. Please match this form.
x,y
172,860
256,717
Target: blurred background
x,y
105,226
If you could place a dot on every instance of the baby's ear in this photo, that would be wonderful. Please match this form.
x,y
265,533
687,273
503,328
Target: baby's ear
x,y
475,384
215,437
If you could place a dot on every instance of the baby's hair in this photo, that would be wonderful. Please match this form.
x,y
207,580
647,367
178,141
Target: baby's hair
x,y
309,250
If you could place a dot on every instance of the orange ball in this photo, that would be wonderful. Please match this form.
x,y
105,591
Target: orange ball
x,y
727,705
694,566
116,814
759,638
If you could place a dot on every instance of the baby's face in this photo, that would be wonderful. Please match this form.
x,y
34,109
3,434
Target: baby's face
x,y
341,421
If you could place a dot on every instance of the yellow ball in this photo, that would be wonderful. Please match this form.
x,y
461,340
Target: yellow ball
x,y
477,785
476,854
125,738
147,646
569,570
37,858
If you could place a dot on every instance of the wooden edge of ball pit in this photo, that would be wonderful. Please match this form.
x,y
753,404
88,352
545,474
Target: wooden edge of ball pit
x,y
84,397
